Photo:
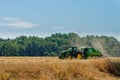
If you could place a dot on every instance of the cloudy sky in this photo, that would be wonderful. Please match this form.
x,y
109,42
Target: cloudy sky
x,y
44,17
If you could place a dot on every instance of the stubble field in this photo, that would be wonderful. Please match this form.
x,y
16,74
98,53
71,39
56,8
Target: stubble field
x,y
52,68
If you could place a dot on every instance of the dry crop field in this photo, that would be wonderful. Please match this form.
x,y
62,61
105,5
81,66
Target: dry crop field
x,y
51,68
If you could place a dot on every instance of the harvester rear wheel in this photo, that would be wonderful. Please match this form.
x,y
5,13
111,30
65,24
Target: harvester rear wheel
x,y
79,56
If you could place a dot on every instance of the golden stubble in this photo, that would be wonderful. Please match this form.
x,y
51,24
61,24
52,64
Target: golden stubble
x,y
52,68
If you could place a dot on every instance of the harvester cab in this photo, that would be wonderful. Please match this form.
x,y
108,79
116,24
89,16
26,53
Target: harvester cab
x,y
72,50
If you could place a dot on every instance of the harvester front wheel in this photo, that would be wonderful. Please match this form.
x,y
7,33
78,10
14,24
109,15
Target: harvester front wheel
x,y
79,56
69,57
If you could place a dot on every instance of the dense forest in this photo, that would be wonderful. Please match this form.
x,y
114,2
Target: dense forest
x,y
52,45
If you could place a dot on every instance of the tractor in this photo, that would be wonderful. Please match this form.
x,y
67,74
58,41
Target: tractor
x,y
83,53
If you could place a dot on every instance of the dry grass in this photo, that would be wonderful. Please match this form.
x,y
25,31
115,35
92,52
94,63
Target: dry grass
x,y
51,68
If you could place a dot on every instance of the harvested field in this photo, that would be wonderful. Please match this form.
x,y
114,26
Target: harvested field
x,y
52,68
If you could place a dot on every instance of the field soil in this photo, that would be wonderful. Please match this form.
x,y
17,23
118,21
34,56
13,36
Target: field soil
x,y
52,68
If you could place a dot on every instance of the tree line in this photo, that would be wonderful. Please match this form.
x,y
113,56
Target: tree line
x,y
54,44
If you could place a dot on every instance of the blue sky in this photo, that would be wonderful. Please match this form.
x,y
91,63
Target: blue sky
x,y
44,17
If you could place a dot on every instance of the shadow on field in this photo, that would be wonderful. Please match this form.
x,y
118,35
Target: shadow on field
x,y
109,66
113,67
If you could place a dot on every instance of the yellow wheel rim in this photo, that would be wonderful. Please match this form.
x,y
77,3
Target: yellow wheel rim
x,y
69,57
79,56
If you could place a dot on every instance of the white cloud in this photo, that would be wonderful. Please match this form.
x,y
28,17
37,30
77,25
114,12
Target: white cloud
x,y
16,22
56,28
9,19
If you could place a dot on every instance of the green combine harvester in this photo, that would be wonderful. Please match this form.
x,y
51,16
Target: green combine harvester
x,y
83,53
